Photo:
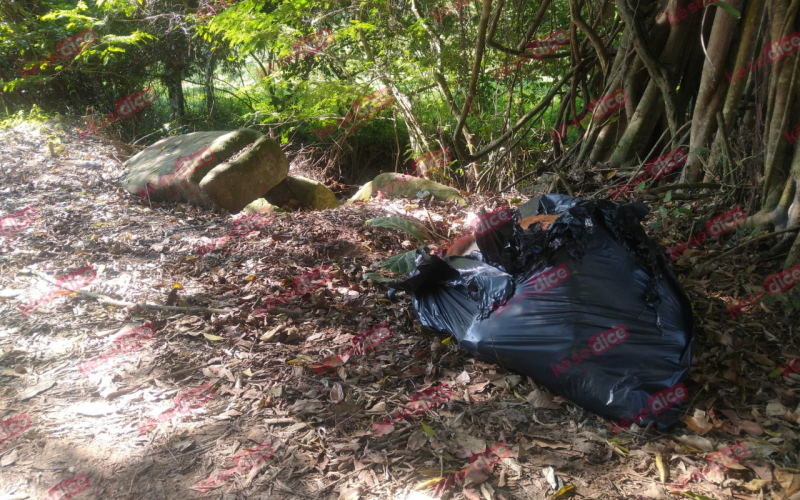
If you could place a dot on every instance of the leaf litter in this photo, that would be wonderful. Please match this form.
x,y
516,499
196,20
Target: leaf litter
x,y
320,425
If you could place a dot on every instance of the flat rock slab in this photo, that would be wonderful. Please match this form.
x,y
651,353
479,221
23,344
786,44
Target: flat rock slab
x,y
173,168
393,185
299,192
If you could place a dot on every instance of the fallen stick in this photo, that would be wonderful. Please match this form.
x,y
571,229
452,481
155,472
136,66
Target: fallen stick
x,y
105,299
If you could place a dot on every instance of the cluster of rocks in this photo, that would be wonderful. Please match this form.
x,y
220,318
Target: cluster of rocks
x,y
244,170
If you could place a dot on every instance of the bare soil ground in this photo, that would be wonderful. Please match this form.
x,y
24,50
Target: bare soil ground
x,y
319,426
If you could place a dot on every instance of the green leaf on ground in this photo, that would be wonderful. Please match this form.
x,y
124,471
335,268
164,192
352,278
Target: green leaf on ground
x,y
411,227
400,264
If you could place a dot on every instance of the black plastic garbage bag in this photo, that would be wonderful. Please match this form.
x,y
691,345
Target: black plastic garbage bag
x,y
588,307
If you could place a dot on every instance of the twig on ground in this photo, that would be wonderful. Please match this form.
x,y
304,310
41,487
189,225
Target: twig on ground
x,y
105,299
673,187
706,268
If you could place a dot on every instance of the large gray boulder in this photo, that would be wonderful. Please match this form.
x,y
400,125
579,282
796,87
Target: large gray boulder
x,y
393,185
236,183
179,169
299,192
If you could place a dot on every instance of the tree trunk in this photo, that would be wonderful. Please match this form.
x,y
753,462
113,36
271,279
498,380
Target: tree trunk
x,y
173,80
661,51
210,84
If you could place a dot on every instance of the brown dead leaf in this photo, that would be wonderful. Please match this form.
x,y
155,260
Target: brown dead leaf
x,y
751,428
762,360
417,440
10,459
540,399
472,443
755,485
789,481
776,409
549,443
337,394
698,422
697,442
306,405
762,471
351,494
476,388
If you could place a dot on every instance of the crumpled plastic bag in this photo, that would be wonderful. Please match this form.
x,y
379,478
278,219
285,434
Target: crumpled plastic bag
x,y
588,307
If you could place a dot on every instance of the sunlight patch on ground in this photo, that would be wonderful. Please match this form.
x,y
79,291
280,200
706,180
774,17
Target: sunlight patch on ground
x,y
416,495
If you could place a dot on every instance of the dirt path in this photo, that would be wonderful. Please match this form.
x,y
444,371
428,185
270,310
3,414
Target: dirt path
x,y
231,396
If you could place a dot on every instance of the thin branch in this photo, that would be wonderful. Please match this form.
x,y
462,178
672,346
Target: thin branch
x,y
104,299
673,187
599,48
707,267
656,70
473,84
520,123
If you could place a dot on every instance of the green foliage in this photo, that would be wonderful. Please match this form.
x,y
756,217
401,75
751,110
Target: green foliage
x,y
35,115
411,227
371,46
402,263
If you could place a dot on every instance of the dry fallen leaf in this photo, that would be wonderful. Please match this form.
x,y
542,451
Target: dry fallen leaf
x,y
789,481
697,442
9,459
540,399
663,471
417,440
698,422
337,394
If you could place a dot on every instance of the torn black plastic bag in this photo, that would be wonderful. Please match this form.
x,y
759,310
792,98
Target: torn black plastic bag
x,y
616,276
